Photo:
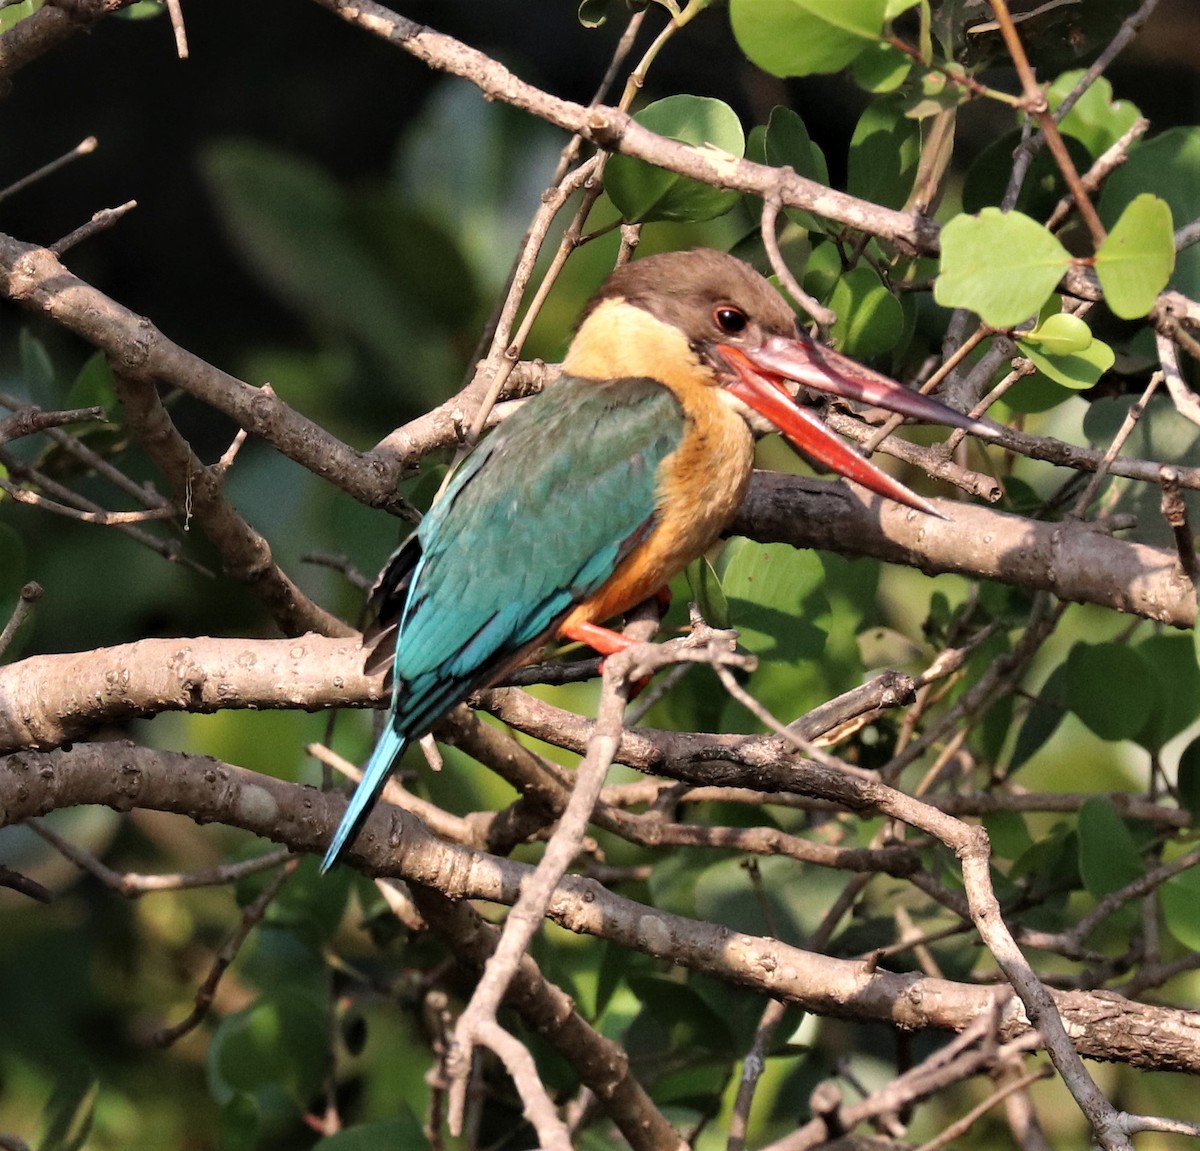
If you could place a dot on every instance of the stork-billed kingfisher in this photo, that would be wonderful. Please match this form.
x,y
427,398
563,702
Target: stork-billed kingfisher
x,y
594,493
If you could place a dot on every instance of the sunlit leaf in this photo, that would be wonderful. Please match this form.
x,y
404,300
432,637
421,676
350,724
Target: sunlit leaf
x,y
1170,165
643,193
1063,348
800,37
1097,120
1002,265
881,68
1137,258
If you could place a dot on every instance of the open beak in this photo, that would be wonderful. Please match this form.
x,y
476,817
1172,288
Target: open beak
x,y
757,380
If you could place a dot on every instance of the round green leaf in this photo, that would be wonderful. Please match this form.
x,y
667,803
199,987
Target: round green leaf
x,y
1097,120
870,320
1172,661
1170,164
821,270
881,68
1110,688
1136,260
1002,265
1062,347
275,1052
1188,779
1180,899
788,145
1108,856
643,193
1060,334
404,1131
884,152
801,37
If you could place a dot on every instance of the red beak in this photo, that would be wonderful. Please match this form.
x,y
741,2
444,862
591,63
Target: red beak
x,y
758,375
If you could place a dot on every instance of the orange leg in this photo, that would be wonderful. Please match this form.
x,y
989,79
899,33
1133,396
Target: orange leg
x,y
608,642
602,639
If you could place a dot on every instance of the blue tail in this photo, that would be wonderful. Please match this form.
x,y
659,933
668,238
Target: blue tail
x,y
375,774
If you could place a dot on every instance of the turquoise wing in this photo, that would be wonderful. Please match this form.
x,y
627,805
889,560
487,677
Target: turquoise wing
x,y
534,522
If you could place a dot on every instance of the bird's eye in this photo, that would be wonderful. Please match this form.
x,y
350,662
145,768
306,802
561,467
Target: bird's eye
x,y
729,319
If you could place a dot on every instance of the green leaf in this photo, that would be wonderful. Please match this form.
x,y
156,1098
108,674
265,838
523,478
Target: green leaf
x,y
883,156
1097,120
1170,164
1060,334
239,1123
707,592
1180,901
93,386
787,144
1137,258
15,13
273,1051
143,10
1108,856
870,319
1188,781
822,270
802,37
1009,834
643,193
403,1132
70,1110
777,602
1002,265
1062,347
1171,659
37,371
1110,688
880,68
1043,718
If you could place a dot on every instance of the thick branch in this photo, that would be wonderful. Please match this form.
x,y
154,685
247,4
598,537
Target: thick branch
x,y
1103,1025
48,700
1076,561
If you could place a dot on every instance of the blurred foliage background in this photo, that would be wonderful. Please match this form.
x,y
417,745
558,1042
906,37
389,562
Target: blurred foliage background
x,y
290,176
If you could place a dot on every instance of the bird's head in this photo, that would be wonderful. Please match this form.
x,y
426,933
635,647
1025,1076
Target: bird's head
x,y
705,318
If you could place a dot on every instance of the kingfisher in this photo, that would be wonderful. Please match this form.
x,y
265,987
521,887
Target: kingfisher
x,y
594,493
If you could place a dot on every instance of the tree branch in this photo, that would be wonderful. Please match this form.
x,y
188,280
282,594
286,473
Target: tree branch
x,y
1103,1025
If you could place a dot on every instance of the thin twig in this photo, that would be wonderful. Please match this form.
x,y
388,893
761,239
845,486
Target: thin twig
x,y
83,148
29,595
101,220
252,915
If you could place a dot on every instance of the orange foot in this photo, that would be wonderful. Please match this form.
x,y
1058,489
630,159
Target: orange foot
x,y
607,642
